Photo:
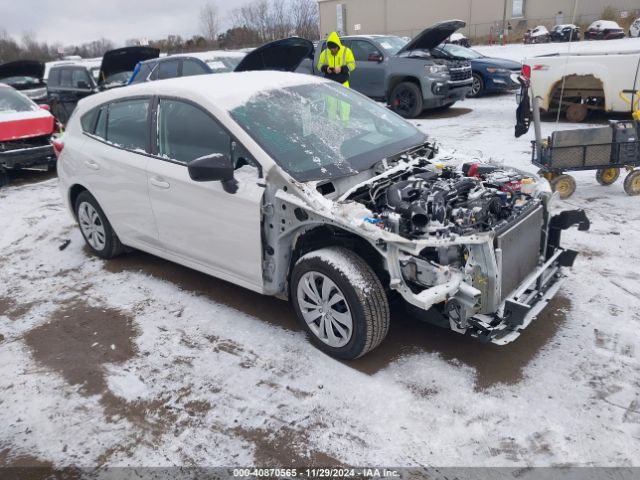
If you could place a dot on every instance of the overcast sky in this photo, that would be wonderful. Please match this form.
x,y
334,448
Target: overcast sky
x,y
80,21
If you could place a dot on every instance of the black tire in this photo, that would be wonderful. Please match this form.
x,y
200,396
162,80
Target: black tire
x,y
632,183
477,87
607,176
112,245
365,298
406,100
4,177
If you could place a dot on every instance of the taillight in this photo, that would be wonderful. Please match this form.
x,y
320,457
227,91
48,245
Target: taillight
x,y
526,71
58,145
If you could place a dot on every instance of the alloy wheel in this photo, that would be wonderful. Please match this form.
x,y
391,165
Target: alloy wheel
x,y
91,226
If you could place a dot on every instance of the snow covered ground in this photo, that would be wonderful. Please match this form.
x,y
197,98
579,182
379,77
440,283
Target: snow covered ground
x,y
137,361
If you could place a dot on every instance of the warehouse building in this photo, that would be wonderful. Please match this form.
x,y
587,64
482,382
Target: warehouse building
x,y
483,17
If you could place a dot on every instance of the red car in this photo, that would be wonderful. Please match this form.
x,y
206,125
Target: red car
x,y
25,133
604,30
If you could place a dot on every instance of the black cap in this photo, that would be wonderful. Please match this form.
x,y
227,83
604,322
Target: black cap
x,y
333,45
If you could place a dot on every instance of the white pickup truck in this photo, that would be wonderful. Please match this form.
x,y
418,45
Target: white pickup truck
x,y
581,82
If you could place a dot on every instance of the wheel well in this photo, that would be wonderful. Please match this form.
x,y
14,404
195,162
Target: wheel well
x,y
394,82
327,236
74,191
581,86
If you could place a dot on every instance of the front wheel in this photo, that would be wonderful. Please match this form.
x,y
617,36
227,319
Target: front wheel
x,y
95,227
406,100
477,86
632,183
340,302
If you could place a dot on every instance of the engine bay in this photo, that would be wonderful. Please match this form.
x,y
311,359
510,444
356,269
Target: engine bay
x,y
435,200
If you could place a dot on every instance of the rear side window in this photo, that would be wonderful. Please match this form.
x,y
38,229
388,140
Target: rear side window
x,y
66,78
168,69
127,124
88,120
185,132
191,67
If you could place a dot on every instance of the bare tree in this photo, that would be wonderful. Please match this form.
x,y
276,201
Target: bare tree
x,y
209,22
306,19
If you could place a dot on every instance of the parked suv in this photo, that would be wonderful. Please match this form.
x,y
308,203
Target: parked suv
x,y
68,83
410,77
269,189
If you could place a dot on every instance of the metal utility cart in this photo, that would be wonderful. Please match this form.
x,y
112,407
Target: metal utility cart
x,y
604,149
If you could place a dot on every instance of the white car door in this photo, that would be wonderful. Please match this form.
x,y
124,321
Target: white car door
x,y
200,224
115,169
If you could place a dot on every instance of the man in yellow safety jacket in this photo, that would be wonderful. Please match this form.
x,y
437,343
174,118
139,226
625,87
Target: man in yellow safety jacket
x,y
336,61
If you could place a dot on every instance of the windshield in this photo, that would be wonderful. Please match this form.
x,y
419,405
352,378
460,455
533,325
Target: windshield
x,y
12,101
391,45
223,64
318,131
462,52
117,78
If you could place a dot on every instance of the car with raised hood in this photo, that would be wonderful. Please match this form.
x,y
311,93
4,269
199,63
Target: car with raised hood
x,y
70,82
25,133
490,74
565,33
634,29
27,77
411,77
539,34
604,30
256,178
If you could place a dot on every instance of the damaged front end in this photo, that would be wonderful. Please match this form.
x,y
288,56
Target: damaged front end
x,y
477,248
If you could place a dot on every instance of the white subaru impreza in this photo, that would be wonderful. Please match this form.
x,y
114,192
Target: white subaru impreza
x,y
293,186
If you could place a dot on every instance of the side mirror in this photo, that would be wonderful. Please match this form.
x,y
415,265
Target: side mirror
x,y
375,57
209,168
83,85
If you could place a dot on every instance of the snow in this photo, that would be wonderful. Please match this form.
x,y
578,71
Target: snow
x,y
14,116
341,262
520,52
218,368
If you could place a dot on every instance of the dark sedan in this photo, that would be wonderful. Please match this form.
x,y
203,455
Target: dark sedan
x,y
565,33
604,30
490,75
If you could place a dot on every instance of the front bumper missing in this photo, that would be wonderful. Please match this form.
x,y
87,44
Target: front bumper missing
x,y
522,307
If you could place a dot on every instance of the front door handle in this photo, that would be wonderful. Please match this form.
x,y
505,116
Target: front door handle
x,y
92,165
159,182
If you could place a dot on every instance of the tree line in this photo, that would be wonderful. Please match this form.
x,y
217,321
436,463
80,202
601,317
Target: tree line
x,y
251,25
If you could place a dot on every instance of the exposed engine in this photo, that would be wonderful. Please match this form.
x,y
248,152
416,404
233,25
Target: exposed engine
x,y
440,201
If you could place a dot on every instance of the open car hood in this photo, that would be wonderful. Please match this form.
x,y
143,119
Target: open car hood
x,y
22,68
125,59
433,36
283,55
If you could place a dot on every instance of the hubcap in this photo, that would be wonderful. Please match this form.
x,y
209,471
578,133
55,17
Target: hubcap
x,y
609,175
325,309
91,226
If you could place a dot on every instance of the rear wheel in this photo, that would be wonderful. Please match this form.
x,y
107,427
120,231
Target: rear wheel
x,y
340,302
477,86
406,100
632,183
95,227
564,184
607,176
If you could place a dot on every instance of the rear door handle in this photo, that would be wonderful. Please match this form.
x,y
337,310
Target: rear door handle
x,y
92,165
159,182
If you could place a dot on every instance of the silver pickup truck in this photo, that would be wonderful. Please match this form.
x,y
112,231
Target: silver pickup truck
x,y
411,77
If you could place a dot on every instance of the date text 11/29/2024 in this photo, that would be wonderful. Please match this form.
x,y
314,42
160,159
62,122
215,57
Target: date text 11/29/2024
x,y
283,473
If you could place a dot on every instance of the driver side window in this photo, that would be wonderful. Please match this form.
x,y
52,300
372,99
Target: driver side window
x,y
185,132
